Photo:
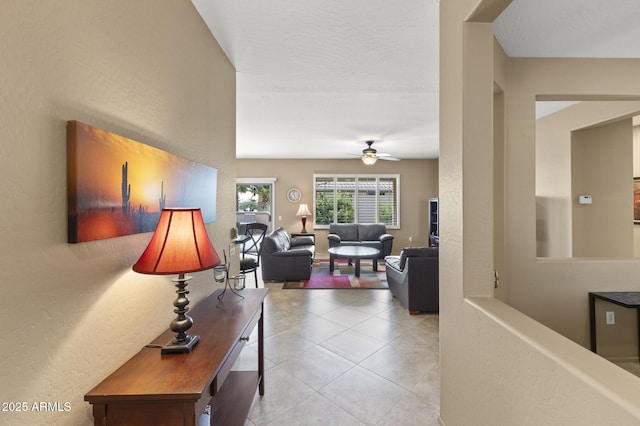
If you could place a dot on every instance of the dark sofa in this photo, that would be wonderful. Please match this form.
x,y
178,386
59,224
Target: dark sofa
x,y
368,235
413,278
286,259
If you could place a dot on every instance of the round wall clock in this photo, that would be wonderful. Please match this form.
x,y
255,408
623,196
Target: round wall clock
x,y
294,195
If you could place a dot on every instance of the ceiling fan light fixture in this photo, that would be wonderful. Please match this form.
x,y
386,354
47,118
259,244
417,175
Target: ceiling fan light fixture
x,y
369,158
369,155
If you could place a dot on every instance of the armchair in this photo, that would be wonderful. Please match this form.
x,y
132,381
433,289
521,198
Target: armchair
x,y
413,278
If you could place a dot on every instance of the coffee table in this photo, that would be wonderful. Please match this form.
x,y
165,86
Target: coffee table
x,y
353,252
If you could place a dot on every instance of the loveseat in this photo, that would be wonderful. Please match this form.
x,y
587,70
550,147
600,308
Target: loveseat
x,y
286,259
368,235
413,278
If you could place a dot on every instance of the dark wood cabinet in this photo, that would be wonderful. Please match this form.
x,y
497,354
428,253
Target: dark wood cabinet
x,y
174,389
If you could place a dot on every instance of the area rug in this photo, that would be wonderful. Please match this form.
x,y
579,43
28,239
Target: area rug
x,y
342,277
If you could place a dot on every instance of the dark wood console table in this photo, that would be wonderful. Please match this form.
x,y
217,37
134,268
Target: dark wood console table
x,y
627,299
155,389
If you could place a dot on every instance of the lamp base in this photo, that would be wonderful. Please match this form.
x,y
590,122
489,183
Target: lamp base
x,y
180,348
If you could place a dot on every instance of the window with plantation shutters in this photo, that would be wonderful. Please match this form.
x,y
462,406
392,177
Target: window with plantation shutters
x,y
387,204
324,200
345,200
367,200
356,199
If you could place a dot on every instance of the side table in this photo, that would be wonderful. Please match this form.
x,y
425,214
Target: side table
x,y
627,299
174,389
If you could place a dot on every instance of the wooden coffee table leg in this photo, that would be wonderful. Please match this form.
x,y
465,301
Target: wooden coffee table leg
x,y
357,266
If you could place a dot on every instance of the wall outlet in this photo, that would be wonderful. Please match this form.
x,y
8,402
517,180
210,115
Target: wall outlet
x,y
611,317
410,241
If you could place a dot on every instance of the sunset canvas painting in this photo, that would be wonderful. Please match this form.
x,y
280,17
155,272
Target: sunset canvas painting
x,y
117,186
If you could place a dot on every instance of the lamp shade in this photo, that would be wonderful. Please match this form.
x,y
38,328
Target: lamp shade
x,y
303,210
180,244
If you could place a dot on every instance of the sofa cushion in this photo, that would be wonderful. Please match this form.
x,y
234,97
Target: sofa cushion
x,y
371,232
302,241
416,252
393,262
420,251
270,245
373,244
277,241
311,250
346,231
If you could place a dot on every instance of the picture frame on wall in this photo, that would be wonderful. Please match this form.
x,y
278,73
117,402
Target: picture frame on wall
x,y
117,186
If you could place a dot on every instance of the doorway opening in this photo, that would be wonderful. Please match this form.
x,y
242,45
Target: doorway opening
x,y
254,202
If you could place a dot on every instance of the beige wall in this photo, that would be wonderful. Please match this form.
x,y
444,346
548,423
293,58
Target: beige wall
x,y
601,164
73,312
418,183
553,183
498,365
501,289
567,279
555,201
554,292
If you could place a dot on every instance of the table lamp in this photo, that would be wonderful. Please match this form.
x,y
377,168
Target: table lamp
x,y
179,245
303,211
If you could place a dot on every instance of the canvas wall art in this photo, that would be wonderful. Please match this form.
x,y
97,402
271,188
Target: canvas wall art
x,y
117,186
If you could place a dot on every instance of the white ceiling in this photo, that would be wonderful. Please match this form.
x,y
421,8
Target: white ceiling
x,y
315,79
570,28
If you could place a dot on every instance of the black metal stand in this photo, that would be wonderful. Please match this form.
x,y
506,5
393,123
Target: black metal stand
x,y
230,287
226,278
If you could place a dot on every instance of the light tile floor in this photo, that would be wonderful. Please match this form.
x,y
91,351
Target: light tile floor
x,y
344,357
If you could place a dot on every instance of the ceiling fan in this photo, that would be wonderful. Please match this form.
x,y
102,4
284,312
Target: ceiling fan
x,y
371,155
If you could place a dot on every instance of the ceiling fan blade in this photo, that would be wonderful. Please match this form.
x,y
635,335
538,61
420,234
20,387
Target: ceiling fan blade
x,y
388,158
